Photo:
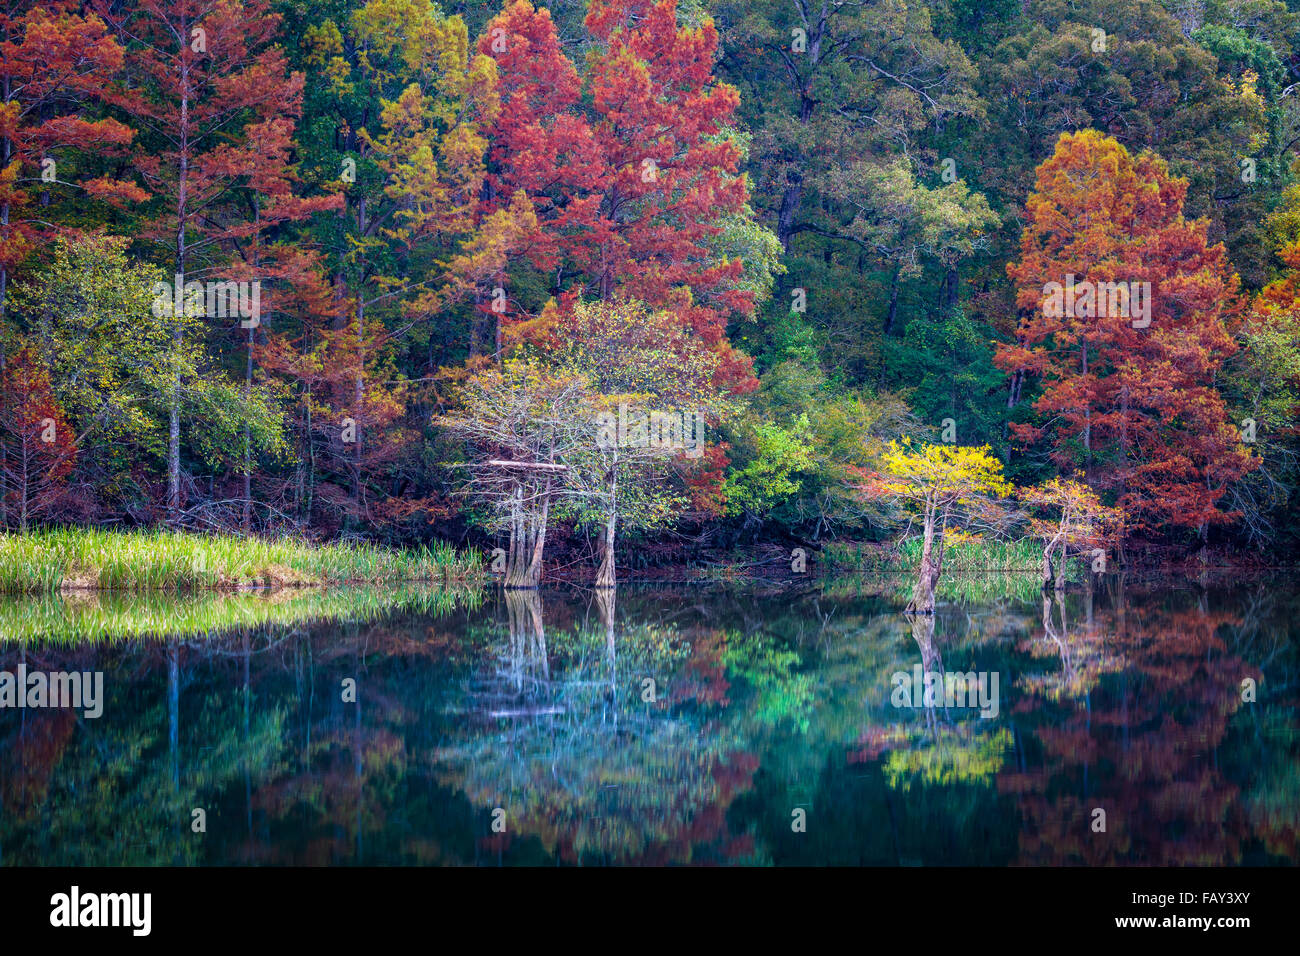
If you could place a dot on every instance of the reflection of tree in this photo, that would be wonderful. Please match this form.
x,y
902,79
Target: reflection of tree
x,y
1272,765
760,706
940,749
297,778
1140,742
1263,749
931,661
334,797
120,788
1083,654
583,755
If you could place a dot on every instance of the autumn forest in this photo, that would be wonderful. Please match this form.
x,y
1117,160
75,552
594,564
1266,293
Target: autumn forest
x,y
628,283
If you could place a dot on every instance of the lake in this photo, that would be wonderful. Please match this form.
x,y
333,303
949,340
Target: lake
x,y
1124,723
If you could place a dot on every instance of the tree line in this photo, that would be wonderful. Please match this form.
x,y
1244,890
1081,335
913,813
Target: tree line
x,y
701,271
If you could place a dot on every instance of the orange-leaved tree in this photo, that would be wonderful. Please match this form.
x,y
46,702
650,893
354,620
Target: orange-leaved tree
x,y
1065,514
42,448
217,104
1127,316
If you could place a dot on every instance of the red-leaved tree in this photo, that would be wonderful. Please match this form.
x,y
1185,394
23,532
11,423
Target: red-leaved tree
x,y
628,164
216,104
1127,313
40,443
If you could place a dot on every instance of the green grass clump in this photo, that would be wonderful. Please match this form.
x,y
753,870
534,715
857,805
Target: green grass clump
x,y
958,556
975,571
979,555
50,560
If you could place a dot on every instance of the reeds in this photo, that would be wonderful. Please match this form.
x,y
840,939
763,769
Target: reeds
x,y
51,560
969,555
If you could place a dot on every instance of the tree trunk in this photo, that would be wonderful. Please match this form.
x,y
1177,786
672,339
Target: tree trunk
x,y
309,501
605,577
359,390
890,317
605,574
515,555
480,325
538,538
6,153
248,440
948,292
923,591
182,220
1087,426
527,540
791,196
1050,575
1013,393
248,379
23,485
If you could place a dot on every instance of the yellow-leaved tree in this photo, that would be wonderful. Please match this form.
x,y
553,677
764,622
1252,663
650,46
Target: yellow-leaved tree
x,y
937,482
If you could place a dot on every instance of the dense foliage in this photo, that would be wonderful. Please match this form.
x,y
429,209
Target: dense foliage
x,y
676,269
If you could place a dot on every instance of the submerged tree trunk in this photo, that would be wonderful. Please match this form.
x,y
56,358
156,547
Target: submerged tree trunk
x,y
527,539
931,567
1051,574
605,576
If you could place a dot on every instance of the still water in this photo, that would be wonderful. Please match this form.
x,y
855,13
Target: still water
x,y
1123,724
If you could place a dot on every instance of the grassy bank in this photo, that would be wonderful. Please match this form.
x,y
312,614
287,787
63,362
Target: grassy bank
x,y
974,571
1000,557
46,561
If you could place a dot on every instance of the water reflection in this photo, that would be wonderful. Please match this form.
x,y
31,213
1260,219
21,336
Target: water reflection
x,y
679,727
1141,737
